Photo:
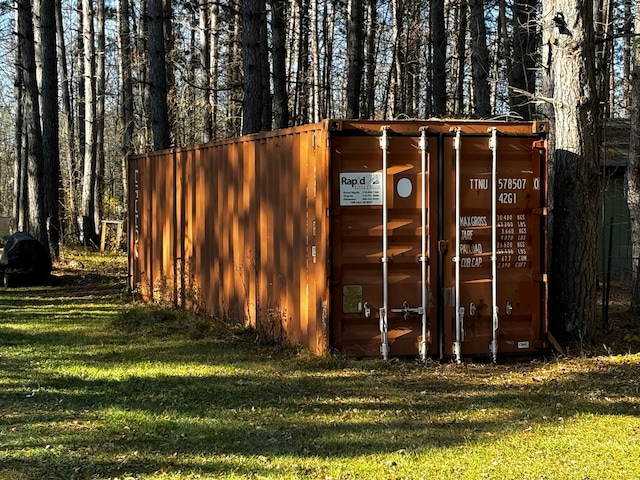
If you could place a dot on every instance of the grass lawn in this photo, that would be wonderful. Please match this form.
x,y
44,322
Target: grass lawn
x,y
94,386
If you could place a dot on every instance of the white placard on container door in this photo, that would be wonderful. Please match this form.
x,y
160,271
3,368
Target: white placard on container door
x,y
362,188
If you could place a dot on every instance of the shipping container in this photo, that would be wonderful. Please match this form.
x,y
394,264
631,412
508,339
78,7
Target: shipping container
x,y
401,238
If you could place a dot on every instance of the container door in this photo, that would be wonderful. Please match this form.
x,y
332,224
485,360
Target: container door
x,y
494,280
359,285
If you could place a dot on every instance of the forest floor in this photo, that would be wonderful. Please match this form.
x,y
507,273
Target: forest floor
x,y
620,333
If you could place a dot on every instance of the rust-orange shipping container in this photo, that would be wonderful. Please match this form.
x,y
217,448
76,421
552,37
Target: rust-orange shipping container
x,y
423,238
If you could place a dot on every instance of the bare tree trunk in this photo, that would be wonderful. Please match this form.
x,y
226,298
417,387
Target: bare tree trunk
x,y
143,85
460,57
328,27
266,107
69,146
278,53
632,174
570,84
88,227
627,54
204,28
301,102
169,60
158,76
49,116
126,88
20,205
370,59
37,217
479,60
315,63
523,65
439,56
251,61
214,67
355,53
100,112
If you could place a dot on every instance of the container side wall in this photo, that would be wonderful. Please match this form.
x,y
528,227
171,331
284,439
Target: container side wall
x,y
227,226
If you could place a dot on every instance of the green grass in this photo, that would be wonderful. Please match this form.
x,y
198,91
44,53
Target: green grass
x,y
93,386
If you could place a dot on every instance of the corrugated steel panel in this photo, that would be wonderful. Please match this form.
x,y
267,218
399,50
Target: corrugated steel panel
x,y
284,231
237,228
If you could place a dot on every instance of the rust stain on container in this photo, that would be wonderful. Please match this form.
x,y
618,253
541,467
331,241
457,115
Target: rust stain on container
x,y
368,238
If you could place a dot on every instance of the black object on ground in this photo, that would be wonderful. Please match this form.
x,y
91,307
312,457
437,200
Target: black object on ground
x,y
25,262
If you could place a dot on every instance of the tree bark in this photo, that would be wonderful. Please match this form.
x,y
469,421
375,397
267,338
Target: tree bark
x,y
125,65
88,227
158,76
632,174
49,115
439,56
278,53
204,27
251,62
370,59
479,60
98,188
524,55
68,222
569,81
355,54
37,217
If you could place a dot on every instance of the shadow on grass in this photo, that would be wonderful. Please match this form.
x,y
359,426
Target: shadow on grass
x,y
220,404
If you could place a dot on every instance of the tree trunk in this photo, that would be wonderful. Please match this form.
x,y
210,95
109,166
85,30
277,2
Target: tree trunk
x,y
315,63
278,53
439,56
479,60
20,205
158,76
37,217
49,115
69,146
355,53
126,88
204,28
251,62
632,174
88,227
460,57
523,61
569,77
99,119
370,59
266,110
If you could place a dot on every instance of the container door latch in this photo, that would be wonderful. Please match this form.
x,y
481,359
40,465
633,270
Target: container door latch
x,y
406,309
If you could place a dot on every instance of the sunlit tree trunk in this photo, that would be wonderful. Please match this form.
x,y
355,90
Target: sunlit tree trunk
x,y
70,145
100,113
88,227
